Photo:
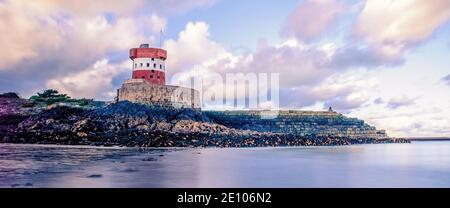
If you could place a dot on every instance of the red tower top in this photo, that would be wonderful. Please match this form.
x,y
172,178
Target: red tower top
x,y
145,52
149,64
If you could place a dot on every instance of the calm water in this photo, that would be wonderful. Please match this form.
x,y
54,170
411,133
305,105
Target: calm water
x,y
420,164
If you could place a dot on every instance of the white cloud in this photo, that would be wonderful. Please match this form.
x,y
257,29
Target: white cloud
x,y
22,33
118,7
311,18
305,74
345,92
394,26
193,47
49,39
93,82
157,23
415,120
383,32
32,31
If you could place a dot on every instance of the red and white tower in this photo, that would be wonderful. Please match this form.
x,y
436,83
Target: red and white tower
x,y
149,64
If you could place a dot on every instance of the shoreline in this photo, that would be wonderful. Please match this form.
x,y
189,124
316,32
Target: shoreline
x,y
136,125
191,148
428,139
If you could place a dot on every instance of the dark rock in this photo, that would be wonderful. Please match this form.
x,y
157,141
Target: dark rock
x,y
130,170
95,176
149,159
9,95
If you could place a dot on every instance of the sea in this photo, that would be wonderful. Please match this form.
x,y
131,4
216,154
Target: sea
x,y
418,164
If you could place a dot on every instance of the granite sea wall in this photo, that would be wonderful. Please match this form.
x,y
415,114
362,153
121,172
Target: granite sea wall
x,y
303,123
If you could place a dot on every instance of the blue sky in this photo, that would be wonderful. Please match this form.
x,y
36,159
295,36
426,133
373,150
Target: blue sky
x,y
380,60
238,24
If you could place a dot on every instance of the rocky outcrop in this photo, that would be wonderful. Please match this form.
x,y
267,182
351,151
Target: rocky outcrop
x,y
13,111
129,124
9,95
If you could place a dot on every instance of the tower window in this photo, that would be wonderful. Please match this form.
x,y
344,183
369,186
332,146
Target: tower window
x,y
153,71
148,64
153,59
154,65
160,66
142,64
157,77
135,65
151,76
143,77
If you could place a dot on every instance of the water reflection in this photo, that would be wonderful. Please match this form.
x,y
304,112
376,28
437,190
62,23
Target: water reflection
x,y
420,164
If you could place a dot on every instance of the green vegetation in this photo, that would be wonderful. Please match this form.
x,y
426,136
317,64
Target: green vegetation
x,y
51,96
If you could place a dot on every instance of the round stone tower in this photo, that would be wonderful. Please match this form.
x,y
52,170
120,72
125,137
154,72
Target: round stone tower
x,y
148,83
149,64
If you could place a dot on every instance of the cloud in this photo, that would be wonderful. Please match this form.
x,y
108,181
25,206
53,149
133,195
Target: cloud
x,y
414,120
382,33
378,101
361,57
29,28
346,103
157,23
446,79
400,101
68,47
307,74
179,6
33,32
48,40
193,47
344,91
383,30
22,34
117,7
311,18
95,81
392,27
415,126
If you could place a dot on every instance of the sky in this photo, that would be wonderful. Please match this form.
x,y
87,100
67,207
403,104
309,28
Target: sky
x,y
384,61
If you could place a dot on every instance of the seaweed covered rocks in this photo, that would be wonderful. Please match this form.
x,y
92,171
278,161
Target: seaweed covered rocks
x,y
136,125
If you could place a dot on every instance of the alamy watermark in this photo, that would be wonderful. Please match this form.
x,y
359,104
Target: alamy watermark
x,y
234,91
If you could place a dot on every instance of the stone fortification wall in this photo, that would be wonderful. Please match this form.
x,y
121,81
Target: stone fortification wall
x,y
304,123
140,91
